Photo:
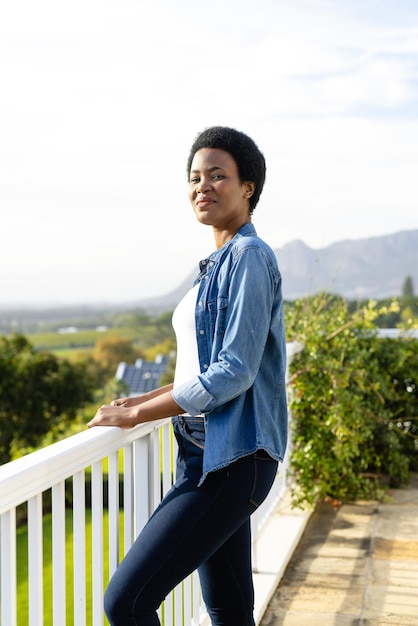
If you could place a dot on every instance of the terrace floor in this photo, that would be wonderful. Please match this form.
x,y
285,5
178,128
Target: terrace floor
x,y
355,566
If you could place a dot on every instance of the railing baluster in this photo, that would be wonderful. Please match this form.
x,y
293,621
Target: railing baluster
x,y
166,458
155,470
178,605
187,600
168,610
35,560
195,598
58,554
8,614
79,547
128,497
97,541
113,506
141,483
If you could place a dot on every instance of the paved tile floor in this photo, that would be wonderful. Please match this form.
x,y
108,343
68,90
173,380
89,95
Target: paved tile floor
x,y
355,566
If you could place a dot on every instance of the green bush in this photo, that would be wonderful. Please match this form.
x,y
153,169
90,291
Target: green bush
x,y
354,403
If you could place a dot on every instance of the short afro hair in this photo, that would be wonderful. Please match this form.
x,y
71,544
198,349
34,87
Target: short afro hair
x,y
250,161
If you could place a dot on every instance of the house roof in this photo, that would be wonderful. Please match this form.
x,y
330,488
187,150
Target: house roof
x,y
144,375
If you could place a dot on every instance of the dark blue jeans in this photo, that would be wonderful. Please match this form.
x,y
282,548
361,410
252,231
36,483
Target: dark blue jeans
x,y
205,528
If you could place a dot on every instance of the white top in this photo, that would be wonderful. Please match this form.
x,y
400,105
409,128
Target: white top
x,y
187,363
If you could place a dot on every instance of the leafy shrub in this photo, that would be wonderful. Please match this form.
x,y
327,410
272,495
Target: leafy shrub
x,y
353,400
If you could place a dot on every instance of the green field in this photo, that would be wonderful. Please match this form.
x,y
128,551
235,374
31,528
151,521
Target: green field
x,y
22,568
78,340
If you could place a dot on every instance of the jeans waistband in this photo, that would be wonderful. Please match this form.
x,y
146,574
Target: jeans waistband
x,y
191,429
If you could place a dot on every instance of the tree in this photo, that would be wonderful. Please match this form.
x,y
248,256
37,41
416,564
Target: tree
x,y
109,352
37,391
408,288
409,301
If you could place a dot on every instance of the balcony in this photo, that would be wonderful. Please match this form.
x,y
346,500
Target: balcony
x,y
99,488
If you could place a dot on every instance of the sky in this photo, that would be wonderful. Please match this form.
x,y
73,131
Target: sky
x,y
101,100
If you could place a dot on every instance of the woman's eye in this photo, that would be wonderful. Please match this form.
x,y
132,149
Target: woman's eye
x,y
218,176
195,180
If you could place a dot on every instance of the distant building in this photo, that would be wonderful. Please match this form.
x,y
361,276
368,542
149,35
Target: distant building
x,y
144,375
394,333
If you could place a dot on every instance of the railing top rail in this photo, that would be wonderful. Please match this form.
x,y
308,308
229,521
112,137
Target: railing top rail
x,y
25,477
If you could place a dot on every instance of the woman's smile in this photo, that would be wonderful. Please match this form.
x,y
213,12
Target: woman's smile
x,y
205,201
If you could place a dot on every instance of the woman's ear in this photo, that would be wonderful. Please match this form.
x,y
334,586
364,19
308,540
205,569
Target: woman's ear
x,y
249,189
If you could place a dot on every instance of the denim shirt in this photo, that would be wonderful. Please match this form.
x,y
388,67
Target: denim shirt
x,y
242,353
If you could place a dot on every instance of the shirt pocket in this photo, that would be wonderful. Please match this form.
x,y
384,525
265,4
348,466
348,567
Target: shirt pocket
x,y
217,315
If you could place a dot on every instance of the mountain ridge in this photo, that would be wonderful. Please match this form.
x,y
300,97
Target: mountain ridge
x,y
357,269
372,267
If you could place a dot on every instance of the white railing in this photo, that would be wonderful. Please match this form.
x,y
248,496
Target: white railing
x,y
148,453
145,471
139,468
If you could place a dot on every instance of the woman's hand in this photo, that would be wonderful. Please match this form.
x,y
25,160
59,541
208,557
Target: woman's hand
x,y
145,397
114,415
128,412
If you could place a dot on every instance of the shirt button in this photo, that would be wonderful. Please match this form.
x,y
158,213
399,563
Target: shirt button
x,y
202,332
206,277
200,303
206,366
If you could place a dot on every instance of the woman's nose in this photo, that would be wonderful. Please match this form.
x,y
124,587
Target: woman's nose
x,y
204,185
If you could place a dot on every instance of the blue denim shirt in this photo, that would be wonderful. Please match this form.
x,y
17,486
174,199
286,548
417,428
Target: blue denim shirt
x,y
242,353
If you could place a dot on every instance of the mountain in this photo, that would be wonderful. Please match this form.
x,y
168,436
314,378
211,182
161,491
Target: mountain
x,y
373,268
364,268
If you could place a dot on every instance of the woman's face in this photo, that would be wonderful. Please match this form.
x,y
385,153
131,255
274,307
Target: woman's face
x,y
217,195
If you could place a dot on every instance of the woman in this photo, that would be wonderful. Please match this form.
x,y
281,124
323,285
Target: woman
x,y
228,399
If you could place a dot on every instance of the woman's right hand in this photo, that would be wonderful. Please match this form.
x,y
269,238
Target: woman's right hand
x,y
125,412
114,415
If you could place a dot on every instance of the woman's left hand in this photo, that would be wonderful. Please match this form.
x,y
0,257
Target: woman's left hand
x,y
111,415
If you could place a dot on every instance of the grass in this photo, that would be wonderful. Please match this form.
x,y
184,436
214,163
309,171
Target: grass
x,y
69,353
22,568
82,339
